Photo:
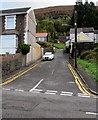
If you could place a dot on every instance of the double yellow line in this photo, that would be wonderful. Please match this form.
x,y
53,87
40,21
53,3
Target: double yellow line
x,y
12,79
79,82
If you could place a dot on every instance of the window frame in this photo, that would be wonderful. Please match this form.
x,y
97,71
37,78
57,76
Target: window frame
x,y
15,37
6,21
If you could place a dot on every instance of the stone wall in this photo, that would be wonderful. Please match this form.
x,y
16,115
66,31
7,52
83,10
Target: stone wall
x,y
11,63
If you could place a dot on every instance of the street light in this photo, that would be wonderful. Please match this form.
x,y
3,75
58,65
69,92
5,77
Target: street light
x,y
75,43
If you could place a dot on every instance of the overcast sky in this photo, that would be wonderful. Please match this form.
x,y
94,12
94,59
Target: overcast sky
x,y
9,4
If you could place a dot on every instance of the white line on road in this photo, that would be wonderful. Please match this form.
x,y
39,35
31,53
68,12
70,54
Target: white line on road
x,y
18,90
66,93
36,85
71,82
6,89
52,91
83,95
91,113
36,91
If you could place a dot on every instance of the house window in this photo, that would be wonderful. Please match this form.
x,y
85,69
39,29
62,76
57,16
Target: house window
x,y
8,44
10,22
41,39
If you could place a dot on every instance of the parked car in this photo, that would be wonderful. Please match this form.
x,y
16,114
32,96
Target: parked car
x,y
48,56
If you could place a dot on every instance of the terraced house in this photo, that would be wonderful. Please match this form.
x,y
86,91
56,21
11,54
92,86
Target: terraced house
x,y
18,26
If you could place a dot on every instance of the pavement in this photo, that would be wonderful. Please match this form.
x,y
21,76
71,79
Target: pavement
x,y
89,81
92,84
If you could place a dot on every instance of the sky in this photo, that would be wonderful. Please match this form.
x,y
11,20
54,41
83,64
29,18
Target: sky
x,y
35,4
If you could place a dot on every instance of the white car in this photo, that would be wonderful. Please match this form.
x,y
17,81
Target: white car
x,y
48,56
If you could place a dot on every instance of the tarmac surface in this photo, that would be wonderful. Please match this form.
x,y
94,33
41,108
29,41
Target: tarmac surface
x,y
47,89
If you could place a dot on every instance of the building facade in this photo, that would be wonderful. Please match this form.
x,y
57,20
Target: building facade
x,y
18,26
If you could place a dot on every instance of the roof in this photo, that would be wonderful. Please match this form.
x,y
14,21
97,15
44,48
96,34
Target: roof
x,y
41,34
83,38
84,30
14,11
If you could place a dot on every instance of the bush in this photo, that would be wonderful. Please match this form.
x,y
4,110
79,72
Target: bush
x,y
24,48
44,44
84,54
96,49
88,55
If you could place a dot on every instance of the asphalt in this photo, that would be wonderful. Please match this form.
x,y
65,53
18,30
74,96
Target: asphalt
x,y
90,82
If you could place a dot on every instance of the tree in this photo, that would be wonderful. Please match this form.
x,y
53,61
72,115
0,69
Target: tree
x,y
87,15
53,25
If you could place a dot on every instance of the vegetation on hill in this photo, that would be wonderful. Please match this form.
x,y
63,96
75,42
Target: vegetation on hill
x,y
88,60
53,25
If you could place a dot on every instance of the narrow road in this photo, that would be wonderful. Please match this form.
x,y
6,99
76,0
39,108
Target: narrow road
x,y
47,91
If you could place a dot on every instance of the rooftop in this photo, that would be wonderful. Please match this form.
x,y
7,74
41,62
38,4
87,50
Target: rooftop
x,y
41,34
13,11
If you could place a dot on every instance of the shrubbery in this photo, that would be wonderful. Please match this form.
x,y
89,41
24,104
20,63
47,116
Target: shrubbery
x,y
24,48
89,55
44,44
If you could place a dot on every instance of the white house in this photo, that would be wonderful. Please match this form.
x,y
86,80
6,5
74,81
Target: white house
x,y
96,36
18,26
87,31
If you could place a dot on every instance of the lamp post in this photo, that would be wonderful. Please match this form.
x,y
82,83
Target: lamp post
x,y
75,45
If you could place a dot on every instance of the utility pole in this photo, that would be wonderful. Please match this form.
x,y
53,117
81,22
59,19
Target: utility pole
x,y
75,44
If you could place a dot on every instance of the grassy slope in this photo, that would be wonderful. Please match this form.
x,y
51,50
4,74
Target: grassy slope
x,y
59,45
90,67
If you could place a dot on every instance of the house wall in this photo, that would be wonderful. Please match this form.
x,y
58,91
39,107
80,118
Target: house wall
x,y
96,38
20,25
31,39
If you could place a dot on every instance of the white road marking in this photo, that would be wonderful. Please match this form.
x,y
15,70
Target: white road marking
x,y
36,85
52,91
66,93
6,89
83,95
18,90
91,113
71,82
36,91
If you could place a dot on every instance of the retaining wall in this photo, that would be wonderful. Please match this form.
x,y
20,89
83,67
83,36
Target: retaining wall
x,y
10,63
